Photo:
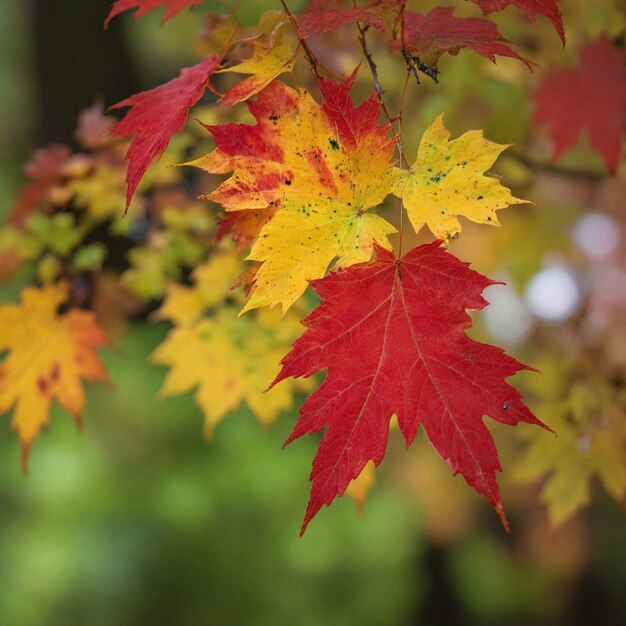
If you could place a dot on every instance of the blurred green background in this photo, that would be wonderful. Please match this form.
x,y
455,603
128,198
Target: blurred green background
x,y
139,521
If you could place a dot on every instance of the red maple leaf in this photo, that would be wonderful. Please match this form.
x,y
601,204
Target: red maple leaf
x,y
591,97
172,7
391,335
321,5
429,36
547,8
316,21
157,114
352,122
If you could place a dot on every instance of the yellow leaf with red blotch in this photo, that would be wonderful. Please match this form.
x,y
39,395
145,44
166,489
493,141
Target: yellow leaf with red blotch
x,y
272,55
447,180
244,226
228,361
49,354
322,168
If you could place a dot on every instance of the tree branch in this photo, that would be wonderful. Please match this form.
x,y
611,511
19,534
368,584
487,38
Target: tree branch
x,y
551,168
307,51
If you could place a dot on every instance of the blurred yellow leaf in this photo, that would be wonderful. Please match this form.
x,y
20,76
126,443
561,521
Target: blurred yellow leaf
x,y
152,266
590,423
228,360
102,193
272,55
48,355
218,34
213,280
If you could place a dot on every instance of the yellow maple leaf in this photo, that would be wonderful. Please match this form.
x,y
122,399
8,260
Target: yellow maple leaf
x,y
102,193
48,356
229,361
213,281
447,180
272,55
218,34
322,190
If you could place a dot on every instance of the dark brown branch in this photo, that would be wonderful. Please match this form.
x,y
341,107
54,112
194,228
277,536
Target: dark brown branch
x,y
370,60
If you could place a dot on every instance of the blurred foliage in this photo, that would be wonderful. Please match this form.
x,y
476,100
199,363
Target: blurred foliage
x,y
140,521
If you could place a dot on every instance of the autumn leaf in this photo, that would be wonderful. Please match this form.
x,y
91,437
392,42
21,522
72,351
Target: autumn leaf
x,y
155,115
588,416
390,334
44,170
213,281
272,55
547,8
373,14
163,258
93,127
244,226
229,361
353,124
295,158
102,193
439,32
172,7
591,98
47,356
218,35
447,180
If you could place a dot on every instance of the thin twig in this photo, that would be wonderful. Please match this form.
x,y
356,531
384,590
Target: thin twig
x,y
398,136
401,134
380,91
307,51
370,60
378,87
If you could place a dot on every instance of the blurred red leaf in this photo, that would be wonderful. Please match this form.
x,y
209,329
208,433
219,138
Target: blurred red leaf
x,y
44,170
591,97
92,131
429,36
547,8
172,7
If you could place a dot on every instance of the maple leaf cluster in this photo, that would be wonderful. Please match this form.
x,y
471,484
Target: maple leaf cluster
x,y
304,185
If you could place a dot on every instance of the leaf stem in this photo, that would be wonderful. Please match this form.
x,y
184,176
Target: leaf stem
x,y
367,51
379,89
